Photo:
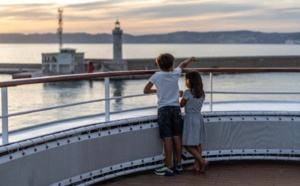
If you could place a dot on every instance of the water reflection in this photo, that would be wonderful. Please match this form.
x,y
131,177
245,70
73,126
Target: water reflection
x,y
66,84
63,92
118,90
91,83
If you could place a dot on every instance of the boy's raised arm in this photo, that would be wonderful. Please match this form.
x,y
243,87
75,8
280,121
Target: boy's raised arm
x,y
185,63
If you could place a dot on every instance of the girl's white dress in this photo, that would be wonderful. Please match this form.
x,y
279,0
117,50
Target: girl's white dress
x,y
193,128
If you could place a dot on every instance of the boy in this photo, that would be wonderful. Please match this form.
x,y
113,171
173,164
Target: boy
x,y
169,113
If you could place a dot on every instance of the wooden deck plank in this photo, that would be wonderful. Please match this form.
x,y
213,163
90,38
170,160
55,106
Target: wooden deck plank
x,y
267,173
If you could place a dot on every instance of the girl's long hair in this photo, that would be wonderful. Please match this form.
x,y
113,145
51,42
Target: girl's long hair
x,y
196,85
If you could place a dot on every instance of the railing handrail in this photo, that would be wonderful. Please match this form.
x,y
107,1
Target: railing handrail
x,y
85,76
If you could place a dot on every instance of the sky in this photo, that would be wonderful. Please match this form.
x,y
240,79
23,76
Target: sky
x,y
140,17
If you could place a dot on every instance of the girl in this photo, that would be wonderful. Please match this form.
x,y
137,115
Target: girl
x,y
193,131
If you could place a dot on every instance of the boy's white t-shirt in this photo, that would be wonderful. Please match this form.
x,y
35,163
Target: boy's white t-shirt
x,y
167,89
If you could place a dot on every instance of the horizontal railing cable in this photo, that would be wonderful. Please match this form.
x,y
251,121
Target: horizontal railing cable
x,y
72,104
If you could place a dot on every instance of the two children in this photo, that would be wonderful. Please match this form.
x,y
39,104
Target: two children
x,y
169,113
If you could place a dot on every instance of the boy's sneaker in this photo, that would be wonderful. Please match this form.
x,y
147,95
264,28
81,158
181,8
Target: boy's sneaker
x,y
178,168
164,171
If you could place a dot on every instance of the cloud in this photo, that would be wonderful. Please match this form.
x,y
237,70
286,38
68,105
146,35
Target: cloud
x,y
161,15
27,11
90,6
169,9
268,14
187,10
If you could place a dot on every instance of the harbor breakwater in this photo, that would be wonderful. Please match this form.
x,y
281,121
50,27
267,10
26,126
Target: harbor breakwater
x,y
216,62
145,64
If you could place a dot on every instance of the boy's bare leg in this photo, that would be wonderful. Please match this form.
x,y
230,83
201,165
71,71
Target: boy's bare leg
x,y
168,151
178,148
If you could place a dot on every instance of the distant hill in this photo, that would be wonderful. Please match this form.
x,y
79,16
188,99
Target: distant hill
x,y
228,37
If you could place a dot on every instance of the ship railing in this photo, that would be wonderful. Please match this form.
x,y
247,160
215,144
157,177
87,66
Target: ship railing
x,y
107,75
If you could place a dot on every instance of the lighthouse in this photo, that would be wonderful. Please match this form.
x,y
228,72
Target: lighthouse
x,y
117,63
117,43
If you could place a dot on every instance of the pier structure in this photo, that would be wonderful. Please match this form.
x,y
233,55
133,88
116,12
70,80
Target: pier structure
x,y
21,70
67,61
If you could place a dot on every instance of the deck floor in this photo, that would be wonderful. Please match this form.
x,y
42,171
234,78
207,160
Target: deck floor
x,y
237,173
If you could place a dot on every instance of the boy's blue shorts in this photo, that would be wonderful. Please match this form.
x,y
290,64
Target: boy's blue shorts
x,y
170,121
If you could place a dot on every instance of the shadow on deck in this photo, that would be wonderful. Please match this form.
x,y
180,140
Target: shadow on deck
x,y
221,173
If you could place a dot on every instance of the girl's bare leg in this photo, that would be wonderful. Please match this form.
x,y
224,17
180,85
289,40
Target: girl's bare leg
x,y
205,164
196,152
197,163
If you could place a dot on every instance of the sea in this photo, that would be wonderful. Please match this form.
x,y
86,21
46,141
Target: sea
x,y
31,53
31,97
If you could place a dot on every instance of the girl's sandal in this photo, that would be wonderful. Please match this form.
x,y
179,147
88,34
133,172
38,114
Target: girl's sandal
x,y
204,166
192,167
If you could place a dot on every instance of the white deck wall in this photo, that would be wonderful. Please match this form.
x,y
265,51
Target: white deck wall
x,y
102,151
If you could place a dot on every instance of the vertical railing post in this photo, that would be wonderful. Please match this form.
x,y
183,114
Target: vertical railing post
x,y
4,115
107,101
211,91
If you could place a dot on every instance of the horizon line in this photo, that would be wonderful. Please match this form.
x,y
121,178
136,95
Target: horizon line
x,y
153,33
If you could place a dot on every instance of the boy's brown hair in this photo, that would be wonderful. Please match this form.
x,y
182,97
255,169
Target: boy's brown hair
x,y
165,61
